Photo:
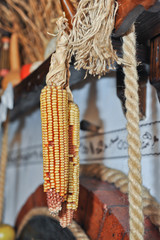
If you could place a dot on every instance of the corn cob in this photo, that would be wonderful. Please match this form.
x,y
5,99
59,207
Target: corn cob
x,y
60,139
65,215
72,200
71,203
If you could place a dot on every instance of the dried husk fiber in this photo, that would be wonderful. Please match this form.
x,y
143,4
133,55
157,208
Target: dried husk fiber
x,y
90,39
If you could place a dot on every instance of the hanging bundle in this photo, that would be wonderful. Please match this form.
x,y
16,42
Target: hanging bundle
x,y
90,42
90,39
60,135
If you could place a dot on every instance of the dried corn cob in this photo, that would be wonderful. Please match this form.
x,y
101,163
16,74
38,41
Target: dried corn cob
x,y
71,204
72,200
54,127
66,215
60,137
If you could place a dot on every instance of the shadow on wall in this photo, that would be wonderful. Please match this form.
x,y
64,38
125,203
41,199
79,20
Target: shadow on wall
x,y
92,115
17,139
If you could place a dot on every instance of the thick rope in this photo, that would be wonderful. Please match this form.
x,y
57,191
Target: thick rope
x,y
151,207
3,163
136,221
76,230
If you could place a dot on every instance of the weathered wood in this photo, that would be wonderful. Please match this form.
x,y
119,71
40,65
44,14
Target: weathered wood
x,y
128,12
37,199
148,24
69,10
106,212
27,93
102,211
155,64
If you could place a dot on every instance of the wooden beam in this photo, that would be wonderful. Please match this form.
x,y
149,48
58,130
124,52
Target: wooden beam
x,y
155,64
148,24
27,93
103,212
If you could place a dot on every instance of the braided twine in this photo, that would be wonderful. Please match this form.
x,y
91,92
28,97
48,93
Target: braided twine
x,y
136,220
3,163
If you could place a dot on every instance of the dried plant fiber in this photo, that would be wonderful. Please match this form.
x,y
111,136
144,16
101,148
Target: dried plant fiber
x,y
90,38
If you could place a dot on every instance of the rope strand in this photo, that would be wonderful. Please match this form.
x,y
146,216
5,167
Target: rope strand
x,y
132,116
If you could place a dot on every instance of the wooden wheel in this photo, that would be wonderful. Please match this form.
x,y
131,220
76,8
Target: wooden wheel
x,y
102,211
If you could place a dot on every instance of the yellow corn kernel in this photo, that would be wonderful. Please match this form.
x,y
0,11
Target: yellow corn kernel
x,y
73,189
60,137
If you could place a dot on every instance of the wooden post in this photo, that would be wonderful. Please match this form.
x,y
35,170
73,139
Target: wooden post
x,y
69,10
155,64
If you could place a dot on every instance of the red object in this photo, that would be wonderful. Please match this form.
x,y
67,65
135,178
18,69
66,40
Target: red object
x,y
102,211
3,72
25,71
5,39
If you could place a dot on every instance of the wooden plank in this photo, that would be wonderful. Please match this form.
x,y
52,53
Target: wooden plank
x,y
155,64
83,202
27,93
37,199
111,220
148,24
